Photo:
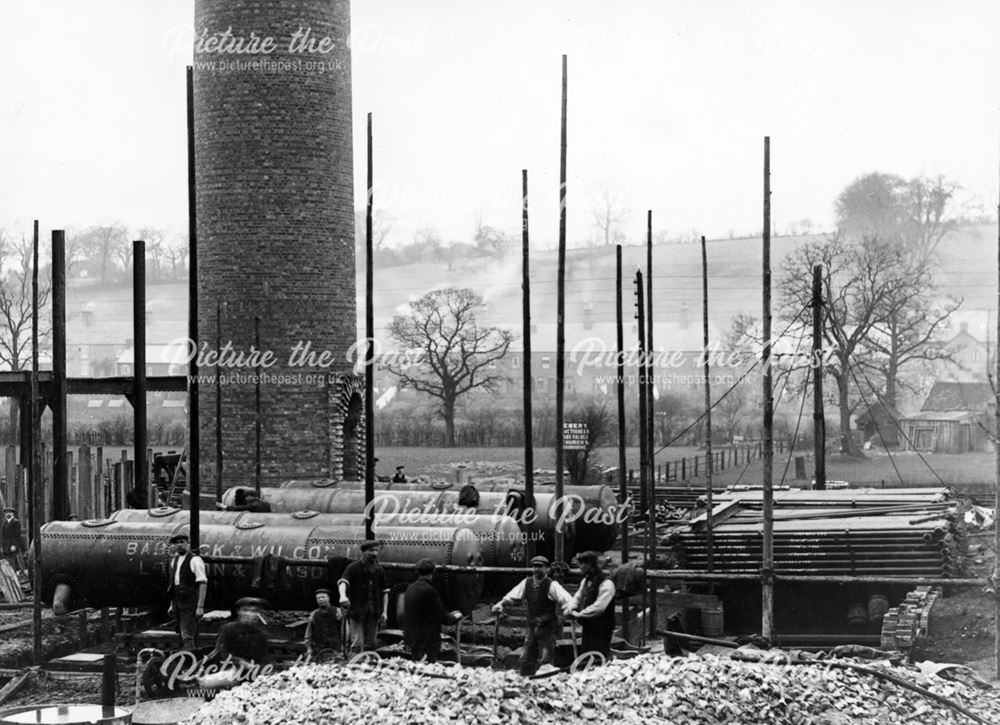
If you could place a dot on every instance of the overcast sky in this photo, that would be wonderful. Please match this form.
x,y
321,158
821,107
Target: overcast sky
x,y
668,105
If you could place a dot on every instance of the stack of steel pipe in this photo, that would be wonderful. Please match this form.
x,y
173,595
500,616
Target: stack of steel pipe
x,y
832,533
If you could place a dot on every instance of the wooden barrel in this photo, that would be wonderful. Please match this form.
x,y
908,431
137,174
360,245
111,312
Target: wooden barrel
x,y
857,615
878,605
712,619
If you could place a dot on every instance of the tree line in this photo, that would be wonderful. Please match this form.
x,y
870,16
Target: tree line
x,y
883,322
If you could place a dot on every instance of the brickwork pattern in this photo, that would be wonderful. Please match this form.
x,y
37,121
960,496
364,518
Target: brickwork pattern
x,y
274,176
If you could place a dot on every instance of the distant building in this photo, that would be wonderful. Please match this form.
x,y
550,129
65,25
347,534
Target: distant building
x,y
955,418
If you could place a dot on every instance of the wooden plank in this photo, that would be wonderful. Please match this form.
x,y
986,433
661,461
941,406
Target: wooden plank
x,y
719,514
11,688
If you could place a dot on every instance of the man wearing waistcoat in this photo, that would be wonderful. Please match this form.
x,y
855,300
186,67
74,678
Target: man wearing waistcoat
x,y
542,597
593,606
187,586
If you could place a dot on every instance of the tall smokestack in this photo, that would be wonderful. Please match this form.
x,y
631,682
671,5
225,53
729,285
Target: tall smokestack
x,y
275,230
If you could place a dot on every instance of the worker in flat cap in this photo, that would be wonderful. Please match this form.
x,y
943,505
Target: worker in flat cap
x,y
323,630
593,605
243,643
423,615
186,589
364,594
11,539
543,598
400,475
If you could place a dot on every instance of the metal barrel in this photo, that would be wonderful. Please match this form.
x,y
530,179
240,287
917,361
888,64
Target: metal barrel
x,y
124,563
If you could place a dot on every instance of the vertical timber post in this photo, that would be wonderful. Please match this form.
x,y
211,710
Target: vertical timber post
x,y
651,414
645,474
369,348
35,485
219,307
141,480
194,434
526,379
819,421
709,543
560,554
996,493
257,421
648,362
767,563
623,493
60,479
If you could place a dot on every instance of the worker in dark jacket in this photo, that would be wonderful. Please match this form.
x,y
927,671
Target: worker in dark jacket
x,y
244,640
424,614
593,606
323,631
11,540
542,599
364,593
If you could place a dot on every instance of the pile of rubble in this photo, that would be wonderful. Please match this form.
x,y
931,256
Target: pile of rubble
x,y
646,689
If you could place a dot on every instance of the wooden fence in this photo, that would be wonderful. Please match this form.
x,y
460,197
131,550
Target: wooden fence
x,y
100,478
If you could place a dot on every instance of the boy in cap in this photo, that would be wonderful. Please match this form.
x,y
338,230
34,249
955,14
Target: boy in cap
x,y
186,589
594,606
323,630
424,614
364,593
399,476
542,596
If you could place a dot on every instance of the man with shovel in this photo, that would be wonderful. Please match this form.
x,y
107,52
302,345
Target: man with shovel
x,y
593,606
542,596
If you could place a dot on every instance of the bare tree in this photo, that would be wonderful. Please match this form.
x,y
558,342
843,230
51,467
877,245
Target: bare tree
x,y
859,281
491,241
16,308
155,249
916,213
103,244
15,302
176,252
454,353
908,330
382,225
609,213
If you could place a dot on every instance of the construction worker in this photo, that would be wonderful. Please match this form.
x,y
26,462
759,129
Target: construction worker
x,y
593,605
244,640
187,587
400,475
364,593
542,597
11,539
323,629
425,614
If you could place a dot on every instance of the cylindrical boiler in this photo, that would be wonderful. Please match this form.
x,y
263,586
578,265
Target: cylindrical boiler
x,y
124,563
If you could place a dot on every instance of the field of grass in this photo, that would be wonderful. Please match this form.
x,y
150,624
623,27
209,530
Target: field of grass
x,y
877,469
